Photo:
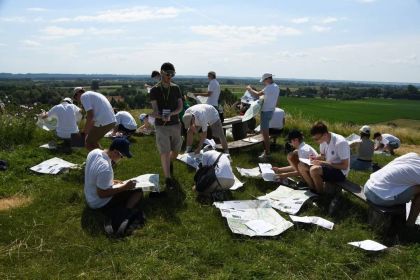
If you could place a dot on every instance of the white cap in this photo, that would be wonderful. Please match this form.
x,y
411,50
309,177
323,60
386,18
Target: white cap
x,y
77,89
365,129
68,100
265,76
142,116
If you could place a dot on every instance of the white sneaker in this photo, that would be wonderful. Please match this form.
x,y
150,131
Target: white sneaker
x,y
263,156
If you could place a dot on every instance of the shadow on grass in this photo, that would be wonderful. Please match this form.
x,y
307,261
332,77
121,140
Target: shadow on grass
x,y
92,221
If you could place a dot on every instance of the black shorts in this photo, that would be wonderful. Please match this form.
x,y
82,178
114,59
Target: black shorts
x,y
118,201
125,130
331,174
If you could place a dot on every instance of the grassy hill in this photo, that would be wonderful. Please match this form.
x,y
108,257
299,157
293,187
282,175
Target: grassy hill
x,y
55,235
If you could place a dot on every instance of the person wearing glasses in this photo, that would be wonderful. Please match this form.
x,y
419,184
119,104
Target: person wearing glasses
x,y
100,117
213,93
166,100
101,190
271,93
332,165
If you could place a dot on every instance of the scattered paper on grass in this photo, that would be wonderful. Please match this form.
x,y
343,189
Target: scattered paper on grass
x,y
238,184
287,200
49,146
313,220
368,245
267,172
147,182
239,212
407,211
48,124
251,172
53,166
259,226
191,159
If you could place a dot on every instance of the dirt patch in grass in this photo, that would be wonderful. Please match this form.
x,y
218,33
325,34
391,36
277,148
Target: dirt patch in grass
x,y
7,203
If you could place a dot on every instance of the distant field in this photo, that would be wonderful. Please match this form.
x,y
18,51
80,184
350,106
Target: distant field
x,y
355,111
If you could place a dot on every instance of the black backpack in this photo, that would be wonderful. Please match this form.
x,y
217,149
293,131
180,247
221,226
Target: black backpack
x,y
206,176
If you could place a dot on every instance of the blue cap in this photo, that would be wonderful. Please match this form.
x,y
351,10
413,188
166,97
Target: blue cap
x,y
122,145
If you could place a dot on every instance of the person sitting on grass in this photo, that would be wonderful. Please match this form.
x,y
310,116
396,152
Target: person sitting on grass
x,y
386,142
101,190
197,119
126,124
148,124
396,183
332,165
67,115
365,148
302,151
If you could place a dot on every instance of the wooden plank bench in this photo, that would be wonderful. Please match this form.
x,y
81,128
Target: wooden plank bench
x,y
378,216
242,143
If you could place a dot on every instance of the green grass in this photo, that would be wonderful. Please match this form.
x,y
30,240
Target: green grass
x,y
57,236
367,111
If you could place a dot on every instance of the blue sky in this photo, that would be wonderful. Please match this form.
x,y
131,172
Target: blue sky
x,y
368,40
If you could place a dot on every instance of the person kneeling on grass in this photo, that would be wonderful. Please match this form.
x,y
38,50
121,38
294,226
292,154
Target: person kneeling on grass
x,y
115,199
302,150
398,182
386,142
223,170
197,119
126,124
332,165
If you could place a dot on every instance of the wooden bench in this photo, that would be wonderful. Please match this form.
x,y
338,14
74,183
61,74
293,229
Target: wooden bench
x,y
378,216
239,128
242,143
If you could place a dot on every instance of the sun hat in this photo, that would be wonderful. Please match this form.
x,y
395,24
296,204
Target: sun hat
x,y
265,76
365,129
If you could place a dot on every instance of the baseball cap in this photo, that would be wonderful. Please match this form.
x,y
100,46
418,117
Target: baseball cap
x,y
187,120
265,76
77,89
365,129
142,117
68,100
293,134
122,145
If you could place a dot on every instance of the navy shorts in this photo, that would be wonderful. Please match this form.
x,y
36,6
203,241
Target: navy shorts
x,y
331,174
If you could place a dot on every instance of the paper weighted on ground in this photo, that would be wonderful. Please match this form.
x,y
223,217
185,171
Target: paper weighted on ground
x,y
53,166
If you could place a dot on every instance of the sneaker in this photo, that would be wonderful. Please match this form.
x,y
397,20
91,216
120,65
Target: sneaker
x,y
264,156
169,184
109,231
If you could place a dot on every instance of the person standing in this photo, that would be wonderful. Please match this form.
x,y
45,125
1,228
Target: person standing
x,y
213,93
271,93
100,117
166,100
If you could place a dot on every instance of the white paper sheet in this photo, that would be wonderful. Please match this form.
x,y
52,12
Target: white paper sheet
x,y
251,140
147,182
109,134
313,220
368,245
210,142
198,99
267,172
407,211
238,184
240,212
191,159
53,166
49,146
287,200
305,161
250,172
259,226
252,111
48,124
247,98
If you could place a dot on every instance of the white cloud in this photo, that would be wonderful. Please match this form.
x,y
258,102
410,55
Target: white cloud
x,y
59,32
329,20
30,43
245,34
134,14
36,9
320,29
13,19
300,20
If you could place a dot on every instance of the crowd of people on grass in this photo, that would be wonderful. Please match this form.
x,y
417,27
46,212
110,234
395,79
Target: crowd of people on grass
x,y
173,121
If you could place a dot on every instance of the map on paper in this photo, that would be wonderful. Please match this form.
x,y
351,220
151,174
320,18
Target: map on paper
x,y
53,166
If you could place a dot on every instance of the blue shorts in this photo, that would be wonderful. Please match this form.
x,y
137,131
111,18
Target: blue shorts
x,y
265,119
401,198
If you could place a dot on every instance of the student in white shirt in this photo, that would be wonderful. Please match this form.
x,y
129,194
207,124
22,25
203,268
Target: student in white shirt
x,y
333,163
100,117
386,142
302,150
197,119
398,182
126,124
67,115
101,190
271,93
224,174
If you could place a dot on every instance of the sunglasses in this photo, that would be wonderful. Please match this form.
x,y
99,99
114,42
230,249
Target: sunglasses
x,y
169,73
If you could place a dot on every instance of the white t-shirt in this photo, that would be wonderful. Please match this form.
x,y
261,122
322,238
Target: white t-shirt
x,y
337,150
277,119
204,115
98,174
305,150
271,94
223,168
126,119
103,114
214,87
386,138
66,115
395,177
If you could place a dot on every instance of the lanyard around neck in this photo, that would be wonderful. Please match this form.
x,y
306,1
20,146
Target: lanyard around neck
x,y
165,96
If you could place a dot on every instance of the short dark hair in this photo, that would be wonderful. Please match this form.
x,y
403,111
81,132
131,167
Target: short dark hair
x,y
155,73
377,134
319,128
167,66
213,74
295,134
